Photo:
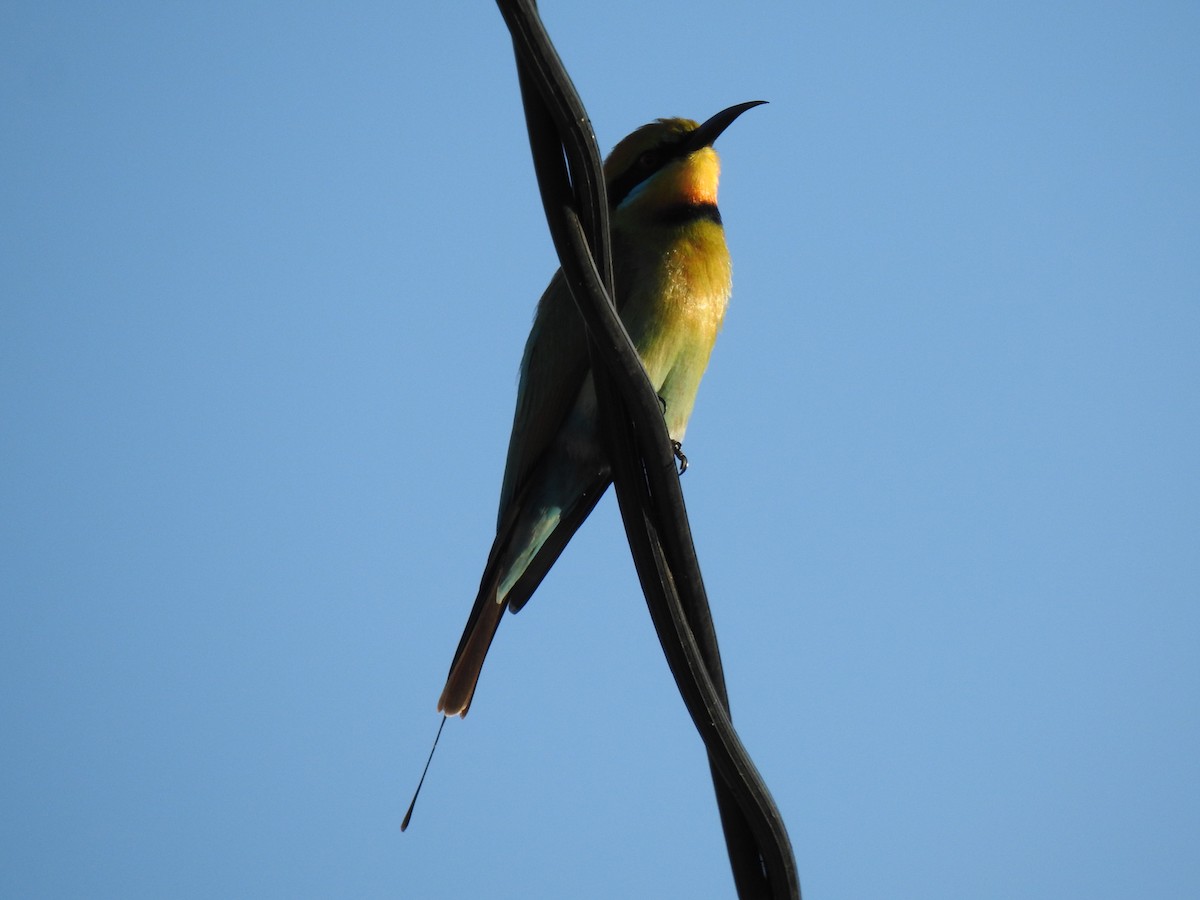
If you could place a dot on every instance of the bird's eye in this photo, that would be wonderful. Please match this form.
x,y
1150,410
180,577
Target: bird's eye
x,y
648,160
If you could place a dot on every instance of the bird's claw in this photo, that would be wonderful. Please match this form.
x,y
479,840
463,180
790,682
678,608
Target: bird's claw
x,y
677,449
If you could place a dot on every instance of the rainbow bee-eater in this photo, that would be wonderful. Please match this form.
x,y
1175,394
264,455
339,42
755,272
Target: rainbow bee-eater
x,y
672,284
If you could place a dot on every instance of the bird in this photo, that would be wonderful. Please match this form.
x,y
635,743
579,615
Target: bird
x,y
672,277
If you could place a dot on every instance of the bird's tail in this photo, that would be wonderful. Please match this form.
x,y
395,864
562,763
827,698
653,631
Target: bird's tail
x,y
468,662
481,626
526,547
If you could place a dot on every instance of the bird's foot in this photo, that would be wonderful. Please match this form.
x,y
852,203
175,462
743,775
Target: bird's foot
x,y
677,449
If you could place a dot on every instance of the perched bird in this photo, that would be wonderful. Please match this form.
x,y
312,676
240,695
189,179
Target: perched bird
x,y
672,275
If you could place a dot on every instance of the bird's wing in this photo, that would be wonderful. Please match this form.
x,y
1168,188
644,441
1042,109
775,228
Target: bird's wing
x,y
553,370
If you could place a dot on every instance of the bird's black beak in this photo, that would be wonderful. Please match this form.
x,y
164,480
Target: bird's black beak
x,y
706,134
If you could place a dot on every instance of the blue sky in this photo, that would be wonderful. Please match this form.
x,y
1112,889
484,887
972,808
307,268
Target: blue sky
x,y
266,271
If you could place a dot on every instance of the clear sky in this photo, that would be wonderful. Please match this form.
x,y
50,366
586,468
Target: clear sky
x,y
266,271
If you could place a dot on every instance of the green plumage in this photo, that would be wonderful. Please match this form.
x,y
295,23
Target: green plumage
x,y
672,275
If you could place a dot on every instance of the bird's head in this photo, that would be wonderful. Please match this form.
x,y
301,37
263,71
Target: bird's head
x,y
668,163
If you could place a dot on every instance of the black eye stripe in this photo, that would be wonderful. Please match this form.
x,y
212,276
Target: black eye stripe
x,y
664,153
